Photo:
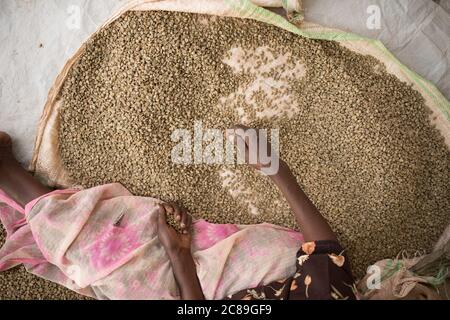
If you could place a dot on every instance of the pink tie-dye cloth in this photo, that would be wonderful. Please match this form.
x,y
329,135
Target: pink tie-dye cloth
x,y
71,237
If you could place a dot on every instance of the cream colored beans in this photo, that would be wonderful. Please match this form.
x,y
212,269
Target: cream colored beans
x,y
358,139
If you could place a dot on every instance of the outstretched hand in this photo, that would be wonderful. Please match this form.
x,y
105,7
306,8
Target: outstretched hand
x,y
314,226
254,148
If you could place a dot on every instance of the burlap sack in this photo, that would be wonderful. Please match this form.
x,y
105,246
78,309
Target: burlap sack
x,y
46,162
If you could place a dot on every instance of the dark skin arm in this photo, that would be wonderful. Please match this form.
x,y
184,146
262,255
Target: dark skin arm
x,y
178,248
178,245
313,225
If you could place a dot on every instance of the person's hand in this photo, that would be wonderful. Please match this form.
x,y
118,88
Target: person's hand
x,y
249,142
178,248
173,241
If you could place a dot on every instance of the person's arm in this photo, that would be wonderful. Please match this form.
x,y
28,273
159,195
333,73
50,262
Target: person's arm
x,y
178,248
312,224
185,272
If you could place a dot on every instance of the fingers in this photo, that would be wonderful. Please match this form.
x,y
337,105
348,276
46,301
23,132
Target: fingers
x,y
246,141
244,132
237,130
173,210
177,215
167,207
186,221
162,218
180,215
241,147
253,146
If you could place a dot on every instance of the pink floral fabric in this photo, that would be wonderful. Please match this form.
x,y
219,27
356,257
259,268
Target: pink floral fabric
x,y
208,234
102,242
111,246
